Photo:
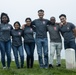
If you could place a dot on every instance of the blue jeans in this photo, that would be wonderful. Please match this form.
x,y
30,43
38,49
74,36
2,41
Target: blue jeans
x,y
5,49
19,49
29,48
69,44
42,43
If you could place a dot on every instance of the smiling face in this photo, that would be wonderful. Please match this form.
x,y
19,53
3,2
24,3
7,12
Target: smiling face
x,y
63,19
41,14
16,26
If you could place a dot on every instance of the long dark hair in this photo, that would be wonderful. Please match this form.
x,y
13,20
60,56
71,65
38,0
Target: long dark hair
x,y
28,18
4,14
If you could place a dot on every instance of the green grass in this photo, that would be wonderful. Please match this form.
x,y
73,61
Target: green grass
x,y
37,71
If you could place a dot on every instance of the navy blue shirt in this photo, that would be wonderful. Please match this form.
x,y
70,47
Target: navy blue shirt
x,y
40,27
67,31
5,30
17,37
28,34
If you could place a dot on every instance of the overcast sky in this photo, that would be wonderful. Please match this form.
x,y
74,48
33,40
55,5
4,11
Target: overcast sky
x,y
18,10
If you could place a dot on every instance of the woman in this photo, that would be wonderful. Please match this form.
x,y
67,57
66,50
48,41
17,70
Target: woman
x,y
29,43
17,34
5,41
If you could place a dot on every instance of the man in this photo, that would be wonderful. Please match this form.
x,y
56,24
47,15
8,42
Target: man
x,y
40,26
55,42
67,29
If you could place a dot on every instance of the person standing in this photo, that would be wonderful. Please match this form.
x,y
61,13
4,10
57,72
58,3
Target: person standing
x,y
5,41
29,43
40,27
67,30
55,42
17,45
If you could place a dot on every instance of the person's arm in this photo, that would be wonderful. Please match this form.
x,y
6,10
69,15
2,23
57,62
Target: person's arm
x,y
73,29
60,24
11,27
11,30
22,33
11,33
59,28
33,26
23,26
48,23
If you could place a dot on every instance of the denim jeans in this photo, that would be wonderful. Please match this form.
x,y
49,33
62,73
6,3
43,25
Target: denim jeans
x,y
42,50
5,49
69,44
29,48
19,49
55,46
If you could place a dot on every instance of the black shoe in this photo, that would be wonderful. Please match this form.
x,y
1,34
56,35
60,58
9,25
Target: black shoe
x,y
18,67
58,65
50,66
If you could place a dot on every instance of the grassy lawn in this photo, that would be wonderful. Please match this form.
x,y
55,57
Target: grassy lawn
x,y
37,71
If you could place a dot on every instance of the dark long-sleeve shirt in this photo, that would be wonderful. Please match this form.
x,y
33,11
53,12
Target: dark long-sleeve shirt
x,y
5,30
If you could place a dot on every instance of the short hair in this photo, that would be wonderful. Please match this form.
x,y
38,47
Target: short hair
x,y
28,18
52,17
62,15
4,14
40,10
17,23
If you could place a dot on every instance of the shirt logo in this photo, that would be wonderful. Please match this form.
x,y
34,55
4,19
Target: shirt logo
x,y
31,29
19,33
68,28
55,28
43,22
8,27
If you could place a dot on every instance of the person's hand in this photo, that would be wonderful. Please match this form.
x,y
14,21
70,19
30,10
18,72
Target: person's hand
x,y
23,26
74,30
61,24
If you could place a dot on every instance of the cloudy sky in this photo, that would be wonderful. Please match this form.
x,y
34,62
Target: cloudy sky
x,y
18,10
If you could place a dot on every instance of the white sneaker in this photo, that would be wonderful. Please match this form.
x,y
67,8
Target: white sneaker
x,y
4,67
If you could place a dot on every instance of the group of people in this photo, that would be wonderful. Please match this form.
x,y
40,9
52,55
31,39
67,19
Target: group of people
x,y
24,37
